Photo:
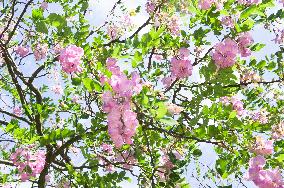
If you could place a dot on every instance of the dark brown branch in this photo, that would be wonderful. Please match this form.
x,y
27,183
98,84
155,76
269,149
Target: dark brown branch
x,y
15,116
19,20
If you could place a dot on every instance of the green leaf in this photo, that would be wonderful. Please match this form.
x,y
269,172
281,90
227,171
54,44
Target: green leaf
x,y
232,114
76,81
91,85
257,47
56,20
41,27
253,9
161,111
261,64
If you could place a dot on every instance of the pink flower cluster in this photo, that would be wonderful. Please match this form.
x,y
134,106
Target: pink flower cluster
x,y
250,76
248,2
17,111
173,25
22,51
181,67
235,101
122,121
70,59
150,6
166,166
279,35
278,131
174,109
28,163
40,51
206,4
57,89
245,40
112,31
262,147
263,178
228,21
260,116
107,148
225,52
127,158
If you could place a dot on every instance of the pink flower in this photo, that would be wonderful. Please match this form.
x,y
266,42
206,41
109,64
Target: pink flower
x,y
184,53
225,53
70,59
112,31
279,35
262,147
28,163
167,81
228,21
150,7
205,4
181,68
17,111
25,177
278,131
158,57
174,109
173,25
167,162
261,177
57,48
225,100
107,148
112,67
22,51
260,116
75,98
244,40
238,106
40,51
122,121
44,5
57,89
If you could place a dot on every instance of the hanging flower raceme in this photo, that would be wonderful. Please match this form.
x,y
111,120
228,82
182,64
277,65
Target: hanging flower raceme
x,y
28,163
22,51
40,51
244,41
205,4
181,67
262,147
70,59
225,53
122,121
260,116
263,178
248,2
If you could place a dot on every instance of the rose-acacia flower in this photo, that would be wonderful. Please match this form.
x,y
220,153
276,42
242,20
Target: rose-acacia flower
x,y
28,163
181,67
225,53
22,51
122,121
70,59
263,178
